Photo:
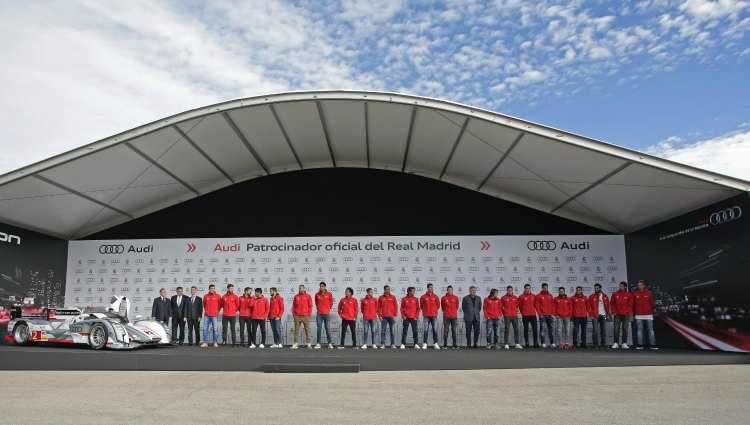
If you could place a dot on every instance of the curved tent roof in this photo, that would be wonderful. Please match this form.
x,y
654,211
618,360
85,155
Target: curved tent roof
x,y
174,159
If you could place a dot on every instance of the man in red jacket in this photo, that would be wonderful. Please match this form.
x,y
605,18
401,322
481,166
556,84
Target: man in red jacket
x,y
546,309
643,306
621,305
259,316
449,304
509,302
369,307
275,313
246,307
599,312
301,311
527,304
409,316
230,304
211,307
387,311
563,311
429,303
493,311
348,308
323,305
579,304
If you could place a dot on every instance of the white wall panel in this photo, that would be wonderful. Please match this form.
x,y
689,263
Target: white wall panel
x,y
433,138
346,130
389,128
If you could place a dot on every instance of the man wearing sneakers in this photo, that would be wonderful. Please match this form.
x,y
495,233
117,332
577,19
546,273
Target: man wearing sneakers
x,y
493,311
621,305
580,313
527,304
643,306
599,311
449,305
429,302
301,310
275,313
259,316
509,303
323,306
230,304
409,316
369,307
348,309
546,309
246,322
211,307
387,311
563,311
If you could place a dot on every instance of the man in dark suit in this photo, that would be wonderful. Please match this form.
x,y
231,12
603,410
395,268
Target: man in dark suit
x,y
161,309
471,306
194,315
179,305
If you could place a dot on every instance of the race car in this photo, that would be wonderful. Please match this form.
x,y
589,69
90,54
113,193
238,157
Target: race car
x,y
108,329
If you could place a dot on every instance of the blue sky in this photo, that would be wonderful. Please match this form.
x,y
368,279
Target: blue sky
x,y
665,77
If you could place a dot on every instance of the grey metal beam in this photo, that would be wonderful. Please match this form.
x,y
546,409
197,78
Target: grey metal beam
x,y
455,146
502,158
244,141
367,132
324,124
408,137
161,167
284,133
202,152
81,194
592,185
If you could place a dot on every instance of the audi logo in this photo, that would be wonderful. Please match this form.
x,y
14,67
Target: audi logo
x,y
111,249
725,215
541,245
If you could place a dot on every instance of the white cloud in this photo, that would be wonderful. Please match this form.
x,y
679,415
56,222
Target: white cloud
x,y
713,9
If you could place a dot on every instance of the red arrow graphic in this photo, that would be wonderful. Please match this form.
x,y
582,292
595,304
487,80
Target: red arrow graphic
x,y
484,245
191,247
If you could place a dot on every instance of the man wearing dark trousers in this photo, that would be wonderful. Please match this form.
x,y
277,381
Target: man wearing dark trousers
x,y
509,303
471,306
527,305
579,302
449,304
409,316
179,307
161,309
246,308
194,315
230,304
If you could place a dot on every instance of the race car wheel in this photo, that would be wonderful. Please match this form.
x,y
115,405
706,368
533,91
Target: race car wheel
x,y
21,334
98,336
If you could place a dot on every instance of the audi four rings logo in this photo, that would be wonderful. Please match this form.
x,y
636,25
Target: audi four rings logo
x,y
725,215
541,245
111,249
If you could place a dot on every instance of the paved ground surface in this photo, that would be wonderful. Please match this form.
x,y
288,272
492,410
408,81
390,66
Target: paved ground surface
x,y
632,395
243,359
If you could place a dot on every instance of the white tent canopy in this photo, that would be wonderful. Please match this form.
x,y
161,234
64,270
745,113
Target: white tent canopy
x,y
169,161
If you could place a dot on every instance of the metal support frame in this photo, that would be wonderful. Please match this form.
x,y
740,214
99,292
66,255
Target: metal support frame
x,y
81,194
286,136
367,132
245,142
323,124
202,152
162,168
592,185
408,137
455,146
502,159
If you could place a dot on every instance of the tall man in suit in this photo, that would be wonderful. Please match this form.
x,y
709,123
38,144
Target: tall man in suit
x,y
161,309
194,315
179,306
471,305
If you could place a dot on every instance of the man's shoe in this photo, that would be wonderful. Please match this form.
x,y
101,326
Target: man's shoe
x,y
317,346
624,346
340,347
252,345
489,347
653,347
330,346
640,347
393,347
615,346
506,346
216,345
417,347
295,346
424,345
204,345
544,345
364,347
402,346
519,347
553,345
436,346
309,346
261,346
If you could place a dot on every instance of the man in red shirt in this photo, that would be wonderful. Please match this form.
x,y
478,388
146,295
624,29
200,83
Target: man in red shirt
x,y
429,302
509,303
259,316
599,312
579,304
493,311
275,313
369,307
348,309
323,305
387,311
621,305
246,306
449,304
409,316
643,306
563,311
301,311
546,309
230,304
526,302
211,307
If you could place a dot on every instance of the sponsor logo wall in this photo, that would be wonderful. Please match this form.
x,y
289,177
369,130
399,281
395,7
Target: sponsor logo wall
x,y
139,268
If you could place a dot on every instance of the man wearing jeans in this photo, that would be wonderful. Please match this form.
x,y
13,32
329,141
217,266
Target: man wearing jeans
x,y
301,310
387,311
471,306
492,310
275,312
323,305
430,305
409,316
579,304
599,311
369,307
449,304
546,309
643,305
211,307
621,304
563,311
509,303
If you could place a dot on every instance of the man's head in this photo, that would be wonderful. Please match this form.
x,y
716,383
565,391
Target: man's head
x,y
248,291
348,292
410,291
162,292
472,290
258,292
369,291
212,288
230,288
450,289
322,286
579,290
493,293
386,290
597,288
641,285
545,287
623,286
273,290
527,289
301,289
193,290
179,290
429,288
561,290
509,290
